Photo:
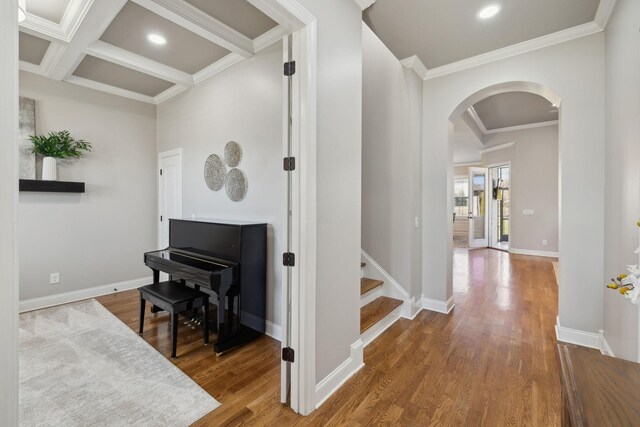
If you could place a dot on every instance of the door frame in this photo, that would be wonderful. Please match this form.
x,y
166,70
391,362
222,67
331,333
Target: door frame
x,y
473,169
163,155
294,17
497,165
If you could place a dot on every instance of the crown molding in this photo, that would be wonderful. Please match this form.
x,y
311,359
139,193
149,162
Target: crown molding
x,y
193,19
497,147
217,67
516,49
466,164
122,57
414,63
92,84
604,12
168,94
523,127
364,4
477,120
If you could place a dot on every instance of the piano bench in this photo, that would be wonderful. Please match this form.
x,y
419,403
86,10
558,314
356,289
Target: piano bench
x,y
174,298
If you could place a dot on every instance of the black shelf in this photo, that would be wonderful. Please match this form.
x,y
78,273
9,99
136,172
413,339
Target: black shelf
x,y
51,186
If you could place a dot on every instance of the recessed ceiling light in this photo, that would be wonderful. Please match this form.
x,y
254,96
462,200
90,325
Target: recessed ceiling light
x,y
156,39
489,11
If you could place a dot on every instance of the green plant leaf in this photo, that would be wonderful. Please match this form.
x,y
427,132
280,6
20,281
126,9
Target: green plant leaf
x,y
60,145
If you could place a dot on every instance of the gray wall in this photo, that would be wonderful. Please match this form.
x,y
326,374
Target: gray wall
x,y
242,104
534,185
339,176
391,141
623,173
8,218
96,238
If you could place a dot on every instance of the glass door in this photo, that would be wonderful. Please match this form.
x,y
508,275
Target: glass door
x,y
478,191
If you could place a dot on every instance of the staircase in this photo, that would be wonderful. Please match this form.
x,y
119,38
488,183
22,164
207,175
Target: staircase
x,y
376,310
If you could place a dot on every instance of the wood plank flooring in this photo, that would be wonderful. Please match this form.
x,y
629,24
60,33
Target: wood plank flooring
x,y
367,284
490,362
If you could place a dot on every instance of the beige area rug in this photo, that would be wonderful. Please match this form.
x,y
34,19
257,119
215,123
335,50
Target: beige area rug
x,y
81,366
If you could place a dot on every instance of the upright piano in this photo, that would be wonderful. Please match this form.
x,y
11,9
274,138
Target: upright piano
x,y
225,258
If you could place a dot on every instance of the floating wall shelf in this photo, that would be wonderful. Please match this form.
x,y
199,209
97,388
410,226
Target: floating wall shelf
x,y
51,186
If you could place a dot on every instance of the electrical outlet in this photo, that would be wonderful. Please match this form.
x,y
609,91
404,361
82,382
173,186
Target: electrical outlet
x,y
545,243
54,278
527,212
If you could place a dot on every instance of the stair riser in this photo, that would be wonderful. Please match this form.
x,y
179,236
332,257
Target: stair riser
x,y
370,296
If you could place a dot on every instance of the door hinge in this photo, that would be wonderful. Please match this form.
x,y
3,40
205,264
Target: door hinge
x,y
160,172
289,164
160,218
289,68
289,259
288,354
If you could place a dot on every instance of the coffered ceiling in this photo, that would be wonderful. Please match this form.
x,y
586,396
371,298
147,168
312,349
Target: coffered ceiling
x,y
104,44
511,110
436,37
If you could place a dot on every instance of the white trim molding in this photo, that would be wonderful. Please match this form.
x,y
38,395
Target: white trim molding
x,y
332,382
375,271
92,84
604,12
497,147
531,252
516,49
270,37
364,4
82,294
273,330
438,306
466,164
382,325
575,336
414,63
604,345
523,127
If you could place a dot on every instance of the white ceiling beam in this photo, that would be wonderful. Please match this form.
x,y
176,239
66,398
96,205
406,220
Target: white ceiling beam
x,y
63,32
288,13
217,67
497,147
95,22
523,127
30,68
168,94
91,84
477,120
270,37
604,12
414,63
193,19
116,55
364,4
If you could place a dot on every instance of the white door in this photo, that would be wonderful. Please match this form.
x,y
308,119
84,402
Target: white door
x,y
478,203
169,192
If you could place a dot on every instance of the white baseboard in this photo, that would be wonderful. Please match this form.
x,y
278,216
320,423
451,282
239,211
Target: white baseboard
x,y
274,331
333,381
604,345
411,308
382,325
547,254
67,297
575,336
391,288
444,307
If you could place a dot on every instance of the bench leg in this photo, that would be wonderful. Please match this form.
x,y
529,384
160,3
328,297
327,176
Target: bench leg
x,y
174,334
142,308
205,308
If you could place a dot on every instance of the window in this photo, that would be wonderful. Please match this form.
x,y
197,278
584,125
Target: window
x,y
461,197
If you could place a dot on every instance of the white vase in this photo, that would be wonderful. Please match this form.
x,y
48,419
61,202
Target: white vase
x,y
49,170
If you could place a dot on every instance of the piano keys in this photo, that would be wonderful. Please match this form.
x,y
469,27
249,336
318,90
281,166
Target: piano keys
x,y
224,258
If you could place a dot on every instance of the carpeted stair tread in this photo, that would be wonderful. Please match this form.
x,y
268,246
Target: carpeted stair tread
x,y
367,284
376,310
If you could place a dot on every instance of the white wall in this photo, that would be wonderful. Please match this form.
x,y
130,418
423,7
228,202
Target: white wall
x,y
534,185
8,214
623,172
574,71
96,238
339,173
242,104
391,141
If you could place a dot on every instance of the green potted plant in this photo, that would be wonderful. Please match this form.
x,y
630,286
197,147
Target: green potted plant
x,y
57,145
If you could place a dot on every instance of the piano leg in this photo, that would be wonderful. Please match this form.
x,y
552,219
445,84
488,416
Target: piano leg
x,y
174,334
143,304
222,298
205,308
156,279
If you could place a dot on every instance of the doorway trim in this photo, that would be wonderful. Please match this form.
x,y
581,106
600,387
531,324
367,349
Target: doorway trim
x,y
497,165
164,155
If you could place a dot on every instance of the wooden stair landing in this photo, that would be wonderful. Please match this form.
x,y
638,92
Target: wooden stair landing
x,y
376,310
367,284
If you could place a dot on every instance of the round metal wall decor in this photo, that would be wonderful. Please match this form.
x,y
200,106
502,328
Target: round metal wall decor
x,y
236,185
214,172
232,154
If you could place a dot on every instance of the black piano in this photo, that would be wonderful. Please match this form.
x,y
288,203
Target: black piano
x,y
225,258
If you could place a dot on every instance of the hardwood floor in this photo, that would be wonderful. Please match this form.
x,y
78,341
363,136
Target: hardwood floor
x,y
490,362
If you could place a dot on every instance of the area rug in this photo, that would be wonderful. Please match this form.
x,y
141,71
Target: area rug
x,y
81,366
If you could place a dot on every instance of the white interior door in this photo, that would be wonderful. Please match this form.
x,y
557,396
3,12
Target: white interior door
x,y
478,203
169,192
